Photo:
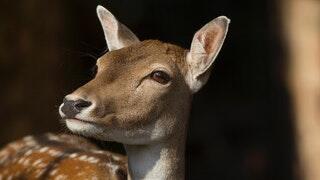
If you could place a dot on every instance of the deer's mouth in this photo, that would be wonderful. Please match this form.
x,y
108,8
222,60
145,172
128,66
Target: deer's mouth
x,y
87,126
83,126
80,121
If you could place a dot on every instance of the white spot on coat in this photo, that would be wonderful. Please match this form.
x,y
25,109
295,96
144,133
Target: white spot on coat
x,y
38,161
93,160
44,149
28,152
61,177
26,162
53,137
21,161
54,153
73,155
53,172
113,167
83,157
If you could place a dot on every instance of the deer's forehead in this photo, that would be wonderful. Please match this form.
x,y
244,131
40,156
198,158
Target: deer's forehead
x,y
145,54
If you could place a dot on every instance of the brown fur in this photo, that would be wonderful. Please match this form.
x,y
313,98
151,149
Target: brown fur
x,y
121,71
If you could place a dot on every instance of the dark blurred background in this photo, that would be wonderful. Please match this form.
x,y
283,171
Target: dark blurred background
x,y
240,126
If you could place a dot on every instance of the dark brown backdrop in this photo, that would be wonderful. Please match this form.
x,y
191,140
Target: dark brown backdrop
x,y
239,127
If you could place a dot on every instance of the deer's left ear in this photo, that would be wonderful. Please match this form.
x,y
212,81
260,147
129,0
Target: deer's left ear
x,y
205,47
117,35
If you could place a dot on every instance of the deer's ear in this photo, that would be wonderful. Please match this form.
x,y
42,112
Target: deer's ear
x,y
205,47
117,35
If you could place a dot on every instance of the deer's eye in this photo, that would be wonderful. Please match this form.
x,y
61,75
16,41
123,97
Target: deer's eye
x,y
160,77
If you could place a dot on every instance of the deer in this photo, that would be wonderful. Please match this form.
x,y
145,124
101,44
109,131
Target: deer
x,y
140,96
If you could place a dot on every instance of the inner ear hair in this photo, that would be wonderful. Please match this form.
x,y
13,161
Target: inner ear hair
x,y
205,47
116,34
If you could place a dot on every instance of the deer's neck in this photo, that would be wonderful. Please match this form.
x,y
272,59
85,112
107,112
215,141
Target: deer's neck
x,y
163,160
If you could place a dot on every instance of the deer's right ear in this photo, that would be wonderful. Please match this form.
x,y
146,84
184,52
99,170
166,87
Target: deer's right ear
x,y
117,35
205,47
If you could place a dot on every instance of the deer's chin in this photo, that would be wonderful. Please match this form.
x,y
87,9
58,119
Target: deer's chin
x,y
104,132
86,128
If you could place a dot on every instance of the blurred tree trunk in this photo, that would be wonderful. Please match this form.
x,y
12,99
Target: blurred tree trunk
x,y
29,67
301,20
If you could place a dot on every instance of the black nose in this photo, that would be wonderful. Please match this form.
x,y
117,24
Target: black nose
x,y
71,108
